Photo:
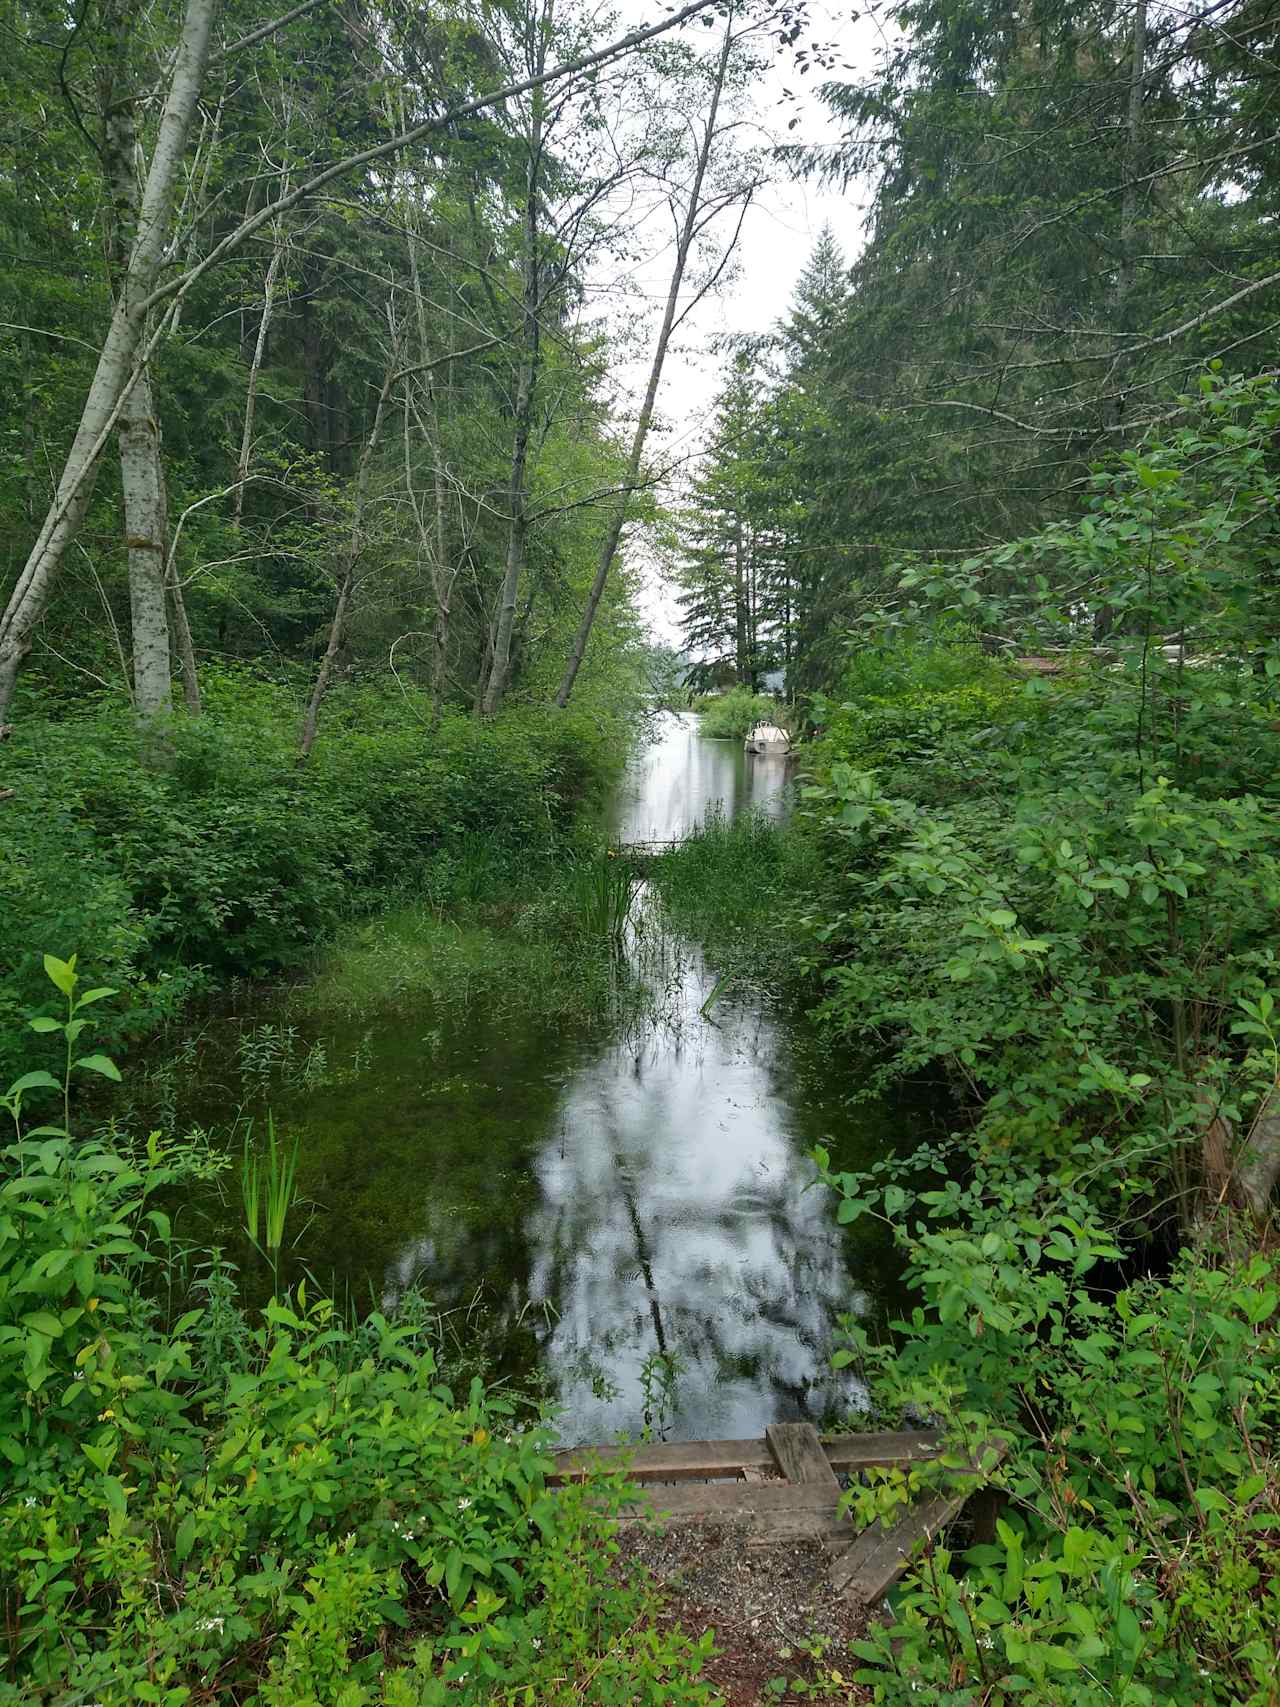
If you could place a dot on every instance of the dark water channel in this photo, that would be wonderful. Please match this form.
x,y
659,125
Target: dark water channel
x,y
636,1209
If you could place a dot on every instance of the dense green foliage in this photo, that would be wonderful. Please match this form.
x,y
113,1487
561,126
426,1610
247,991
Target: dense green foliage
x,y
1060,892
731,714
231,860
284,1508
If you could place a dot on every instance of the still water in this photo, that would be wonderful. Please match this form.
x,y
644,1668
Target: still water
x,y
637,1212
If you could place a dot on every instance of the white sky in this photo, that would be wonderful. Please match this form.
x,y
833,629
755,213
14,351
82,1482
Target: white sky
x,y
777,239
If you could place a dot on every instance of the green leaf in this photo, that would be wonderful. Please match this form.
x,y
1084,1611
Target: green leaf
x,y
44,1322
35,1082
44,1024
185,1537
61,972
98,995
99,1064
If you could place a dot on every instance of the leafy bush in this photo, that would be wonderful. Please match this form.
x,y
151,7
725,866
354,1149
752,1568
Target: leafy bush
x,y
1138,1562
1064,893
293,1511
230,859
730,715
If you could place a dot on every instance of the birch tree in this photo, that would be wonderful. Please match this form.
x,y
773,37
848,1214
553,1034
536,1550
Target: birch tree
x,y
118,369
128,346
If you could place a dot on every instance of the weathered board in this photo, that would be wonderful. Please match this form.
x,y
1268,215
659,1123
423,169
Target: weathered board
x,y
866,1571
800,1456
703,1460
782,1487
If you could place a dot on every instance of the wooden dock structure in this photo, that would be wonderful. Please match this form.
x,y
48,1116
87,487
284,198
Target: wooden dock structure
x,y
787,1486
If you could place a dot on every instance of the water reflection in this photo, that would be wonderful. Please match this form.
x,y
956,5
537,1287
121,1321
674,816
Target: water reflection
x,y
673,783
673,1218
619,1203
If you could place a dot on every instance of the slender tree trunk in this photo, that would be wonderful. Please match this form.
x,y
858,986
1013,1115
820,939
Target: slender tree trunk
x,y
115,371
442,575
347,571
255,368
526,386
145,512
741,647
1122,294
618,517
142,482
185,644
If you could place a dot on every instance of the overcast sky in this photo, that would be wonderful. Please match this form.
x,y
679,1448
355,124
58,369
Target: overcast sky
x,y
777,238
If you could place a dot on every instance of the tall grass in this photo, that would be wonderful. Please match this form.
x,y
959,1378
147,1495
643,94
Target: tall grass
x,y
734,885
604,889
543,938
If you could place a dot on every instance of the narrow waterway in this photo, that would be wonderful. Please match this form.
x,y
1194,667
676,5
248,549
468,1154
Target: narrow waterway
x,y
632,1211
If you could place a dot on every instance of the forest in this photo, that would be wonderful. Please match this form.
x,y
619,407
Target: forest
x,y
431,1040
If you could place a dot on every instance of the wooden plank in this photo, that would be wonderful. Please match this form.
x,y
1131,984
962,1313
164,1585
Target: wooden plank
x,y
865,1451
739,1499
670,1461
690,1460
869,1568
799,1453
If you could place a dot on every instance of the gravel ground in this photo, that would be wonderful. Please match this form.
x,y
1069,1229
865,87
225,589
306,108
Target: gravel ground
x,y
767,1603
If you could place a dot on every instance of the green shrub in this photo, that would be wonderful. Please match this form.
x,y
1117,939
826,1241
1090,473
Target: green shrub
x,y
296,1512
730,715
1138,1562
231,860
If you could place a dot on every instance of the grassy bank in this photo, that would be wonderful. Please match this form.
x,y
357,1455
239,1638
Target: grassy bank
x,y
218,857
735,885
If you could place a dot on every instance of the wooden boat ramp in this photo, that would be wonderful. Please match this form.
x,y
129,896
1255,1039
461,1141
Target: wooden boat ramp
x,y
789,1485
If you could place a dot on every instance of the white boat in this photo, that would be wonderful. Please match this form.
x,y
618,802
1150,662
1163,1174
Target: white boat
x,y
767,738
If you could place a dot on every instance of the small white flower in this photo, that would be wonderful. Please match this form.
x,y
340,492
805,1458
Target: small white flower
x,y
987,1642
463,1504
29,1501
80,1377
537,1641
211,1624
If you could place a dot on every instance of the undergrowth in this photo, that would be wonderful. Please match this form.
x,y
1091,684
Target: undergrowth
x,y
229,860
277,1508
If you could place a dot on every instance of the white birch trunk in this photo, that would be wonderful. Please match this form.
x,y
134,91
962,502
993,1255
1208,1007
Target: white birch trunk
x,y
145,514
115,372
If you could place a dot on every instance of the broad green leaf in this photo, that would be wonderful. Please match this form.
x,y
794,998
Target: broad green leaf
x,y
98,1064
61,972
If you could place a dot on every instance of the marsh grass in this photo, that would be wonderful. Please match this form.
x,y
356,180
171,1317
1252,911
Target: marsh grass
x,y
269,1190
603,890
544,938
733,886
